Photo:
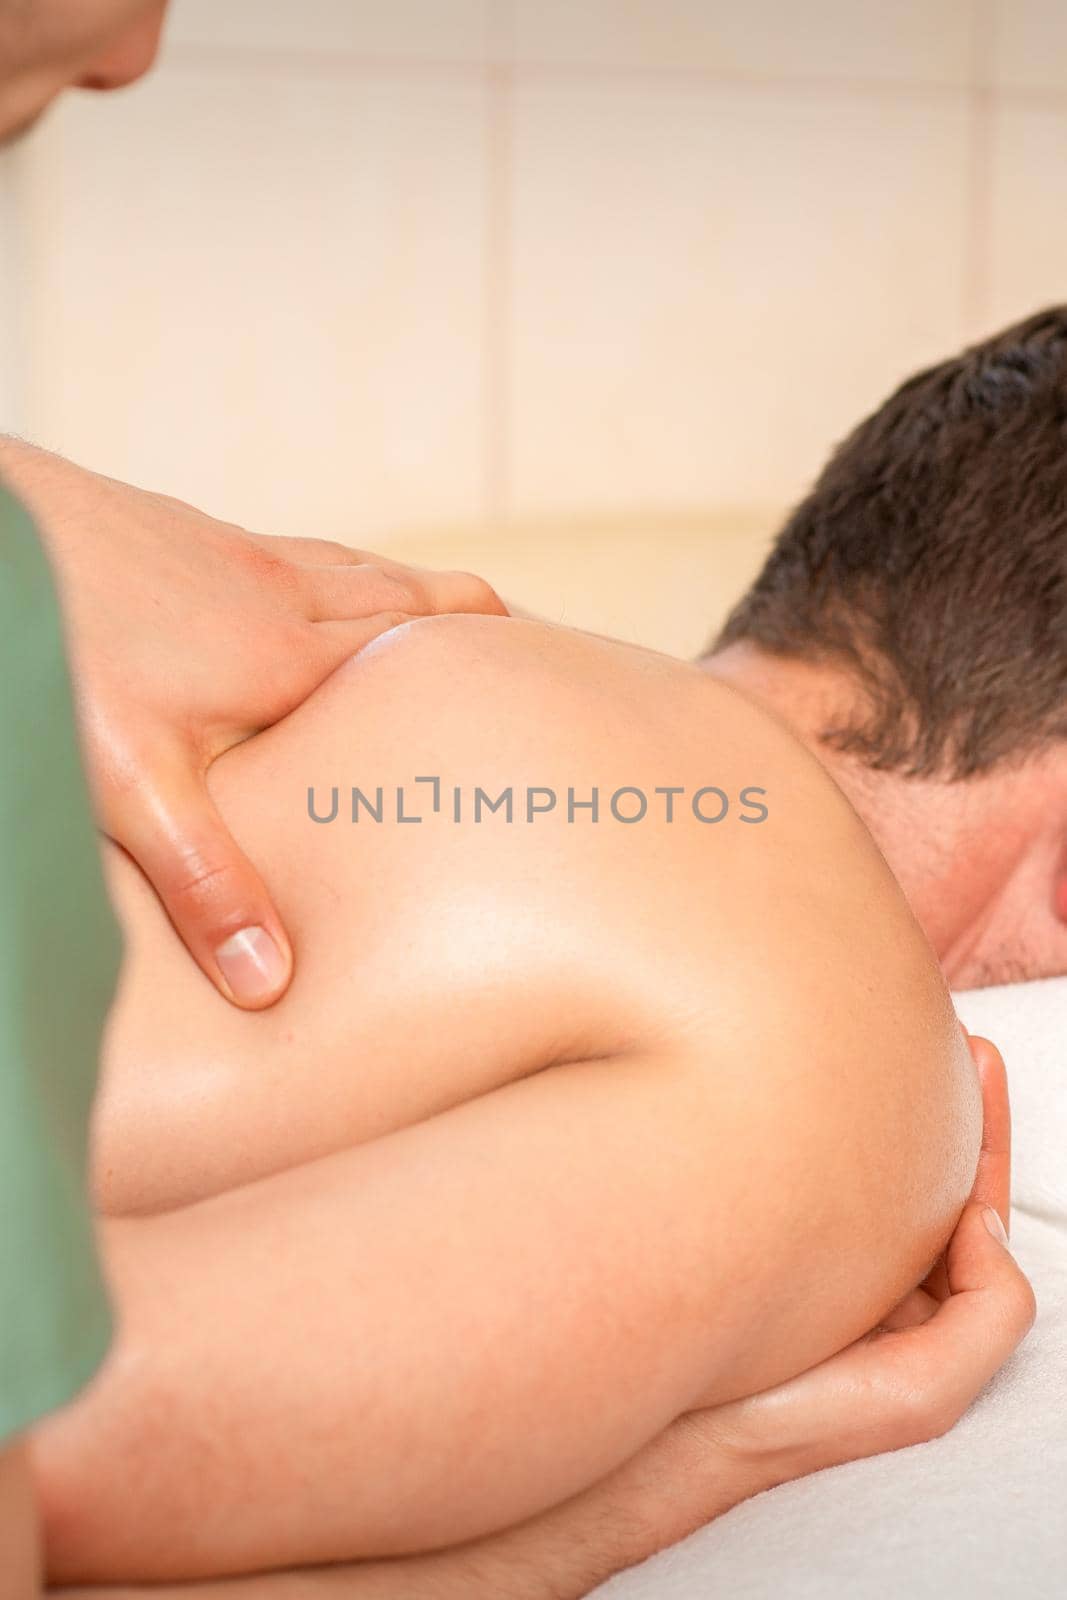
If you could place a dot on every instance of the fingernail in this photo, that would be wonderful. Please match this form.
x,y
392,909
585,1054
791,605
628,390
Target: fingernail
x,y
992,1221
252,965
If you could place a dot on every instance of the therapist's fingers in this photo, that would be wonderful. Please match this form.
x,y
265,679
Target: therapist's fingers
x,y
457,591
212,893
420,590
341,583
344,593
339,640
341,592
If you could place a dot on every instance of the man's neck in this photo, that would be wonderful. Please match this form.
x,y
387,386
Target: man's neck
x,y
940,838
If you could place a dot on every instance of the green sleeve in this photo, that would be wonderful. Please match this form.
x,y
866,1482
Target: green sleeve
x,y
59,951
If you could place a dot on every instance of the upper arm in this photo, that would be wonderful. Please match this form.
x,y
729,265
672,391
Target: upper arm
x,y
442,1332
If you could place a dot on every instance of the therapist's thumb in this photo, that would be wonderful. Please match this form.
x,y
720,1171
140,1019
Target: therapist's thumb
x,y
211,891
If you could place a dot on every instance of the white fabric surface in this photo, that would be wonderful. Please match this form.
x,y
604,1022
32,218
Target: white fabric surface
x,y
982,1512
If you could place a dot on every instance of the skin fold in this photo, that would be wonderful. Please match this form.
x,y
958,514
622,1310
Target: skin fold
x,y
563,1130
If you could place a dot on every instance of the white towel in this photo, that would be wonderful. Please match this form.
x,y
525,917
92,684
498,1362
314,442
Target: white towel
x,y
982,1513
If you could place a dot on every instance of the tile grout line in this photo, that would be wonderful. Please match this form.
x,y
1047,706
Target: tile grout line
x,y
497,312
12,406
979,177
28,181
341,64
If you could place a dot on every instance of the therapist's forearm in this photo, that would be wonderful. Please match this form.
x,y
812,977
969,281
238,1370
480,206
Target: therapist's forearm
x,y
18,460
49,486
38,479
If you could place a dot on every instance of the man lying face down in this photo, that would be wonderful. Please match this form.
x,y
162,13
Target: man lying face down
x,y
911,626
577,1119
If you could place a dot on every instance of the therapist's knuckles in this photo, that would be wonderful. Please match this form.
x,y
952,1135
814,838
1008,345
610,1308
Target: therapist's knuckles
x,y
264,566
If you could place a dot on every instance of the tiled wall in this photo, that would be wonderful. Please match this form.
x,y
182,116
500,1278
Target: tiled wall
x,y
351,267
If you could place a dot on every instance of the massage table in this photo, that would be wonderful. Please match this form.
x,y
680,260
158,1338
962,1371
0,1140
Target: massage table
x,y
980,1514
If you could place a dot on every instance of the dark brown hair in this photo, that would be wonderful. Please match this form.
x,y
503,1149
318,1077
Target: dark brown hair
x,y
930,560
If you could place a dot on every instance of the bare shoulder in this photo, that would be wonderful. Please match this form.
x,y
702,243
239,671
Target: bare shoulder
x,y
687,834
537,687
621,798
617,852
513,699
499,845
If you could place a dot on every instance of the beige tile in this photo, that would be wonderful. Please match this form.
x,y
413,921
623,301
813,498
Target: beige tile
x,y
918,41
1029,44
711,286
11,391
1028,213
665,585
267,297
445,30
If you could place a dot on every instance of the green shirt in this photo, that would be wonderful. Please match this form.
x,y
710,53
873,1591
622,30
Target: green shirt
x,y
59,949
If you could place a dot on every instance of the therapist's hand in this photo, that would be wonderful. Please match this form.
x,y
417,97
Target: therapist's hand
x,y
187,635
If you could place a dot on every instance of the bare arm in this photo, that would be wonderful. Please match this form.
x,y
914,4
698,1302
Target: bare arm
x,y
20,1578
447,1330
906,1384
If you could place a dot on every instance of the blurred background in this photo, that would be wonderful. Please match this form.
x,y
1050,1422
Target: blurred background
x,y
576,293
